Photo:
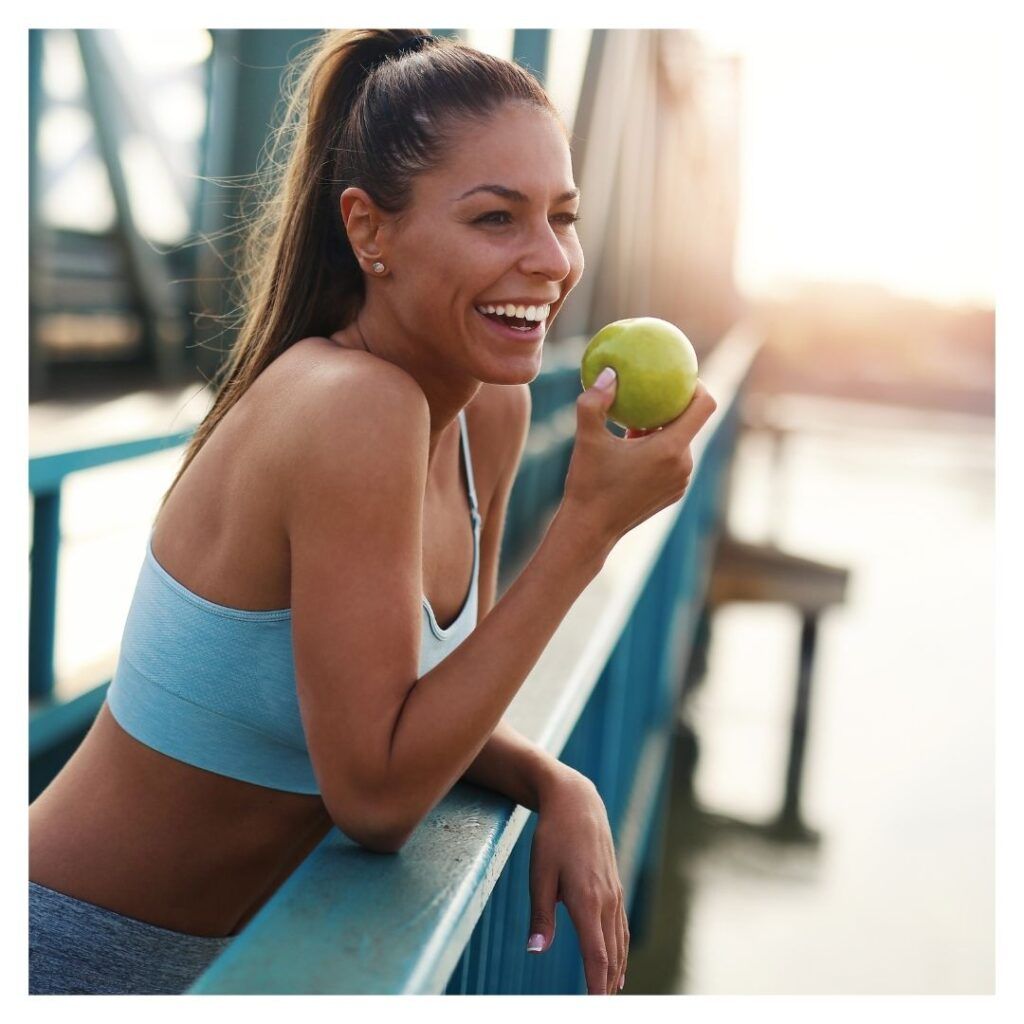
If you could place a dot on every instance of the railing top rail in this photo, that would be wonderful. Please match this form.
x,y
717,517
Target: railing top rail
x,y
46,472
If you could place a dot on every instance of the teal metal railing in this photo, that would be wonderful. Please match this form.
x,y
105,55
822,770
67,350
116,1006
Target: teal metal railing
x,y
57,727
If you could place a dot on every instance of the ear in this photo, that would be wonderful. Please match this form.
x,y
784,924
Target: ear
x,y
363,220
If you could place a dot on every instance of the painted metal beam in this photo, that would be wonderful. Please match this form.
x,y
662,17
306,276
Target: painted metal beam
x,y
600,119
126,91
47,472
530,49
38,370
42,613
156,294
247,66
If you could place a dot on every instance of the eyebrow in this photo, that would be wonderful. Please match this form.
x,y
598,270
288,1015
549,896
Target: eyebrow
x,y
513,195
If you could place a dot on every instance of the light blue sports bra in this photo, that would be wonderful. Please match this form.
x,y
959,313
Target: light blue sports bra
x,y
215,686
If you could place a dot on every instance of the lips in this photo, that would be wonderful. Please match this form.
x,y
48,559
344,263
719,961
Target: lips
x,y
535,333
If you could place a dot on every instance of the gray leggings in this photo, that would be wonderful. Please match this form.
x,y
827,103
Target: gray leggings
x,y
78,948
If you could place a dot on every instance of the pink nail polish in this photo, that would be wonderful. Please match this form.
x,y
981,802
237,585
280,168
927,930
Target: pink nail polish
x,y
536,943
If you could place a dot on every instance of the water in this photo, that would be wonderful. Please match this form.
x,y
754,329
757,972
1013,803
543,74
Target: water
x,y
897,895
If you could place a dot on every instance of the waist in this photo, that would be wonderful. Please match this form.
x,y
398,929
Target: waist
x,y
161,841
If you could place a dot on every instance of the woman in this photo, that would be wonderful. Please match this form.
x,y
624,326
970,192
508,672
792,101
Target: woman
x,y
284,668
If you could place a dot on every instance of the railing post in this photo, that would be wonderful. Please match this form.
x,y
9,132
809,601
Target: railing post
x,y
639,906
790,818
42,620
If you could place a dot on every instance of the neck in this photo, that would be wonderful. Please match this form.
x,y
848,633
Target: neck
x,y
377,331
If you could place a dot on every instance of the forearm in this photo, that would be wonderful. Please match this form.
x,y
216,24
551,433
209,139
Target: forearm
x,y
454,709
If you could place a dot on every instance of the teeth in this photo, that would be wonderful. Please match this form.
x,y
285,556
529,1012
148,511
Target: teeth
x,y
525,312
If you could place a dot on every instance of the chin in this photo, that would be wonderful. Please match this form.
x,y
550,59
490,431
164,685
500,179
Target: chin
x,y
522,370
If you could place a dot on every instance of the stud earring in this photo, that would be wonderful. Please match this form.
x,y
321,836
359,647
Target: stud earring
x,y
378,267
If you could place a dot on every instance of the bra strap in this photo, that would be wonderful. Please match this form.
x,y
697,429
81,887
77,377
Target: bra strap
x,y
468,463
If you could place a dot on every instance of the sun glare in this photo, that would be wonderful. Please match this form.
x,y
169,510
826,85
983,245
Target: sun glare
x,y
869,157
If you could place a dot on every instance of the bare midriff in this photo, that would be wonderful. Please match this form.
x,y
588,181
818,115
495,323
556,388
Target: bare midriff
x,y
130,829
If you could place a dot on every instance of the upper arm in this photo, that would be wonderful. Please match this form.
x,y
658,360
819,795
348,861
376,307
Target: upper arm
x,y
354,512
508,420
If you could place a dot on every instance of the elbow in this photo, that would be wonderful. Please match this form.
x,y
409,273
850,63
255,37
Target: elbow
x,y
374,829
381,846
379,840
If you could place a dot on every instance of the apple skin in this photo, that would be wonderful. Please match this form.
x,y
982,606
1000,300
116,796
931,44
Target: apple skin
x,y
655,366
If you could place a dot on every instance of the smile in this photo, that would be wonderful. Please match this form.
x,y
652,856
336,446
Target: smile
x,y
501,325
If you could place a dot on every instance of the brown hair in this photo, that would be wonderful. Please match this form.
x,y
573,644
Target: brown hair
x,y
359,111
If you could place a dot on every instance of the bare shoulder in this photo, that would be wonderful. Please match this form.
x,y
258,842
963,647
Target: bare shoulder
x,y
345,411
321,367
323,386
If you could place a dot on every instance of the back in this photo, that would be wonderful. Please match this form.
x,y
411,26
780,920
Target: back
x,y
214,685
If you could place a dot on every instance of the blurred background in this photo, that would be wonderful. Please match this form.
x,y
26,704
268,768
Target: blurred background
x,y
830,826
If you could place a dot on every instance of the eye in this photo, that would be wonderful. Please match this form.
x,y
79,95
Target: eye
x,y
488,218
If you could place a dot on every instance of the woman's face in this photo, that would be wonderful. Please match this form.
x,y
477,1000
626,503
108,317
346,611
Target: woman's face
x,y
459,247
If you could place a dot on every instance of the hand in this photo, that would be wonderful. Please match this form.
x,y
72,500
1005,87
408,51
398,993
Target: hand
x,y
573,860
613,484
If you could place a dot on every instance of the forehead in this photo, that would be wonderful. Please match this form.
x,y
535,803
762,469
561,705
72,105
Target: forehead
x,y
522,148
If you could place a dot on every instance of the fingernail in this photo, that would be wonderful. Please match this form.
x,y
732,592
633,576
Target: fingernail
x,y
605,378
622,982
536,943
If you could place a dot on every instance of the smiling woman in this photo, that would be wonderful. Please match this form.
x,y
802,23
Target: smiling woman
x,y
282,671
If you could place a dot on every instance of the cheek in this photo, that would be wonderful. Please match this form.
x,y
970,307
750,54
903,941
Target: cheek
x,y
576,261
441,250
455,257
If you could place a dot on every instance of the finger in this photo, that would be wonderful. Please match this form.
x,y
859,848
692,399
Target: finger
x,y
623,944
593,404
543,893
595,952
610,924
695,415
625,952
624,932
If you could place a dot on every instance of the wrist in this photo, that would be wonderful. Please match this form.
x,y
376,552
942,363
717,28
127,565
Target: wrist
x,y
571,529
554,778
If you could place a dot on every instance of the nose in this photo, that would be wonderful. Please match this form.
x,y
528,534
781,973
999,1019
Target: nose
x,y
546,254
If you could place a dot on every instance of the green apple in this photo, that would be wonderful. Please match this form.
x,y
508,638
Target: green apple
x,y
655,367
